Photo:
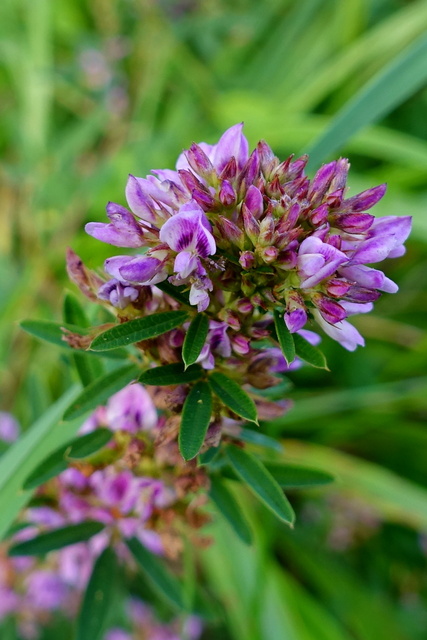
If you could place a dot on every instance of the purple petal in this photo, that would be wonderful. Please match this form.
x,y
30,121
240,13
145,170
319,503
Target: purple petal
x,y
185,264
231,143
311,337
9,427
365,200
140,270
189,230
295,320
199,297
131,410
254,201
110,234
343,332
138,200
113,265
368,277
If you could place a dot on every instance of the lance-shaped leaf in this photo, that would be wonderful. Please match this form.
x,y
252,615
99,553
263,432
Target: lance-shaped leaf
x,y
233,396
139,329
196,416
260,481
195,339
290,476
171,374
285,337
177,293
57,539
154,569
56,462
308,353
53,332
230,509
99,598
99,391
258,438
88,368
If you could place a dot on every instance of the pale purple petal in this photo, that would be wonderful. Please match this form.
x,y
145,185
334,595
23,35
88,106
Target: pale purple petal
x,y
343,332
110,234
295,320
199,296
139,200
311,337
131,410
141,269
9,427
231,143
368,277
185,264
189,230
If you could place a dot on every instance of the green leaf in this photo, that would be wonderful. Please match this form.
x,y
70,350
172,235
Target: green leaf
x,y
195,339
139,329
57,539
89,443
258,438
100,390
177,293
98,598
88,367
291,476
44,436
308,353
230,509
285,337
233,396
196,416
392,85
262,484
56,462
53,332
73,311
166,585
171,374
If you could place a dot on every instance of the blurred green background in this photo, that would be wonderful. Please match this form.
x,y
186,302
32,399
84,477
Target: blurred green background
x,y
94,89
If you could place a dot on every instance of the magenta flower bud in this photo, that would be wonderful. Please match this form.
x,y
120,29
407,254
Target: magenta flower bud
x,y
240,345
286,260
230,319
229,172
337,288
227,193
266,230
321,182
334,199
249,173
319,215
331,311
362,294
364,200
250,224
296,168
204,199
244,305
269,254
339,180
199,162
254,201
295,320
267,159
354,222
247,259
230,231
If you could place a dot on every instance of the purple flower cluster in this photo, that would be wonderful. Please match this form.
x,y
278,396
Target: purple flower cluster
x,y
128,489
33,592
242,228
135,489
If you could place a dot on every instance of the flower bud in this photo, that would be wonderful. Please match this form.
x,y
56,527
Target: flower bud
x,y
331,311
200,163
227,194
247,259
